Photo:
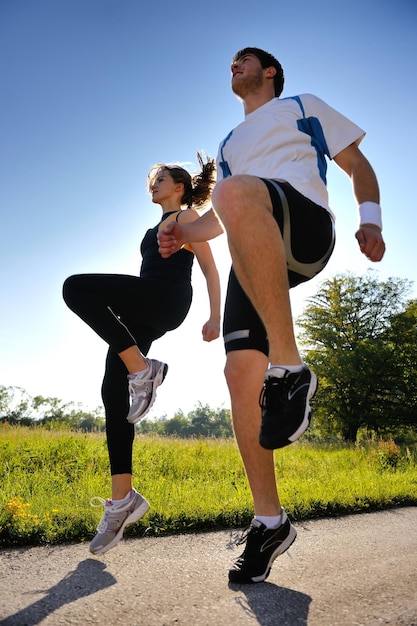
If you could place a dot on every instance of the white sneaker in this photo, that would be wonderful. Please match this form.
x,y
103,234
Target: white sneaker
x,y
143,390
115,519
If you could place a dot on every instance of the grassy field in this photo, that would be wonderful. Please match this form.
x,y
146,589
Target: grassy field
x,y
48,477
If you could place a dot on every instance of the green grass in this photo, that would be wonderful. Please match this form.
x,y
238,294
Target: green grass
x,y
48,478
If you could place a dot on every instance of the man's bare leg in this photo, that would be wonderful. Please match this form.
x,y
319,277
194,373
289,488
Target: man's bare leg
x,y
245,376
259,259
255,242
244,373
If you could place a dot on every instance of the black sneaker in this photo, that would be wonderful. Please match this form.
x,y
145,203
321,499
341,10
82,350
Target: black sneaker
x,y
285,403
263,545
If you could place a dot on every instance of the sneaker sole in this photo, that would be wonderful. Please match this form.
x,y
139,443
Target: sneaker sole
x,y
133,517
159,379
307,416
283,547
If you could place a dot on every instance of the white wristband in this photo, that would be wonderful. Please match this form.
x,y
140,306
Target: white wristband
x,y
370,213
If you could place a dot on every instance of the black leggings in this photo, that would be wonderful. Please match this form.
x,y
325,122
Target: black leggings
x,y
124,311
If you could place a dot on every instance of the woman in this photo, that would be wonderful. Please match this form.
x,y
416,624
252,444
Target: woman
x,y
129,313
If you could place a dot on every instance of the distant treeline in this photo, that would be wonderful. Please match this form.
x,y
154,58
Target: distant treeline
x,y
18,407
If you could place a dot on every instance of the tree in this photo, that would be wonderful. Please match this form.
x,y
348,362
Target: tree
x,y
207,422
54,412
50,410
200,422
15,406
402,338
177,426
358,333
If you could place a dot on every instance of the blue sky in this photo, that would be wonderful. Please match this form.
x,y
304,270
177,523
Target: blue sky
x,y
94,92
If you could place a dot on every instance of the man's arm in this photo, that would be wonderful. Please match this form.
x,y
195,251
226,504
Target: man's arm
x,y
175,235
366,191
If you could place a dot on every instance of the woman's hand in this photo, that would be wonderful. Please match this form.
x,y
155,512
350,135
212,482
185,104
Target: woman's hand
x,y
211,330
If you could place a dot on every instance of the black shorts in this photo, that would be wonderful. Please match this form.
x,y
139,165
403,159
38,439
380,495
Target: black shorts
x,y
309,237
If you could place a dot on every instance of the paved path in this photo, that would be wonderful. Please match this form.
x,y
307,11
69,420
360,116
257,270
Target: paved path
x,y
354,570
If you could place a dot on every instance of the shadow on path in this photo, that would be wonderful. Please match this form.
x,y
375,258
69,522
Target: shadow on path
x,y
268,602
88,578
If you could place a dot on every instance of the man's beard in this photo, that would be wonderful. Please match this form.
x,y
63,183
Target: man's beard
x,y
247,85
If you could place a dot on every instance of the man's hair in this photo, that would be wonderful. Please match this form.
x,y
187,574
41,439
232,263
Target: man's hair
x,y
267,60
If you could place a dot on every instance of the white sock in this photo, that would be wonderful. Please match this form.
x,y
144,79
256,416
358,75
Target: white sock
x,y
279,370
141,374
270,521
125,500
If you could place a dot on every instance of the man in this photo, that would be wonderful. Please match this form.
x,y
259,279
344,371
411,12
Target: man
x,y
271,200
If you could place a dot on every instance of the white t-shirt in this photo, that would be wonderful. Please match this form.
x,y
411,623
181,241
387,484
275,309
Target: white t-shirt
x,y
288,139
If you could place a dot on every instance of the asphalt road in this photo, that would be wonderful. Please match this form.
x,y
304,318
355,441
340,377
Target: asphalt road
x,y
354,570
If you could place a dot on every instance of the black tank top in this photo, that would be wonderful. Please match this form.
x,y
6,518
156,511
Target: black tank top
x,y
175,269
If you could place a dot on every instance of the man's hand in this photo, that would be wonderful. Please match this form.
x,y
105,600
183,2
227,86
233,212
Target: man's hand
x,y
170,239
370,241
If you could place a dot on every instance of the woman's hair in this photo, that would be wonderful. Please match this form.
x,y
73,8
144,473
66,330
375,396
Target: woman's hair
x,y
197,187
267,60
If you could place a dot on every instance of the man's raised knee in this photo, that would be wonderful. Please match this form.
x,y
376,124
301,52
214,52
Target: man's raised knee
x,y
228,194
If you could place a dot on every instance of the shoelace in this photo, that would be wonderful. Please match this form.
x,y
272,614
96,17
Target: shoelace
x,y
237,539
281,385
101,501
145,387
102,525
